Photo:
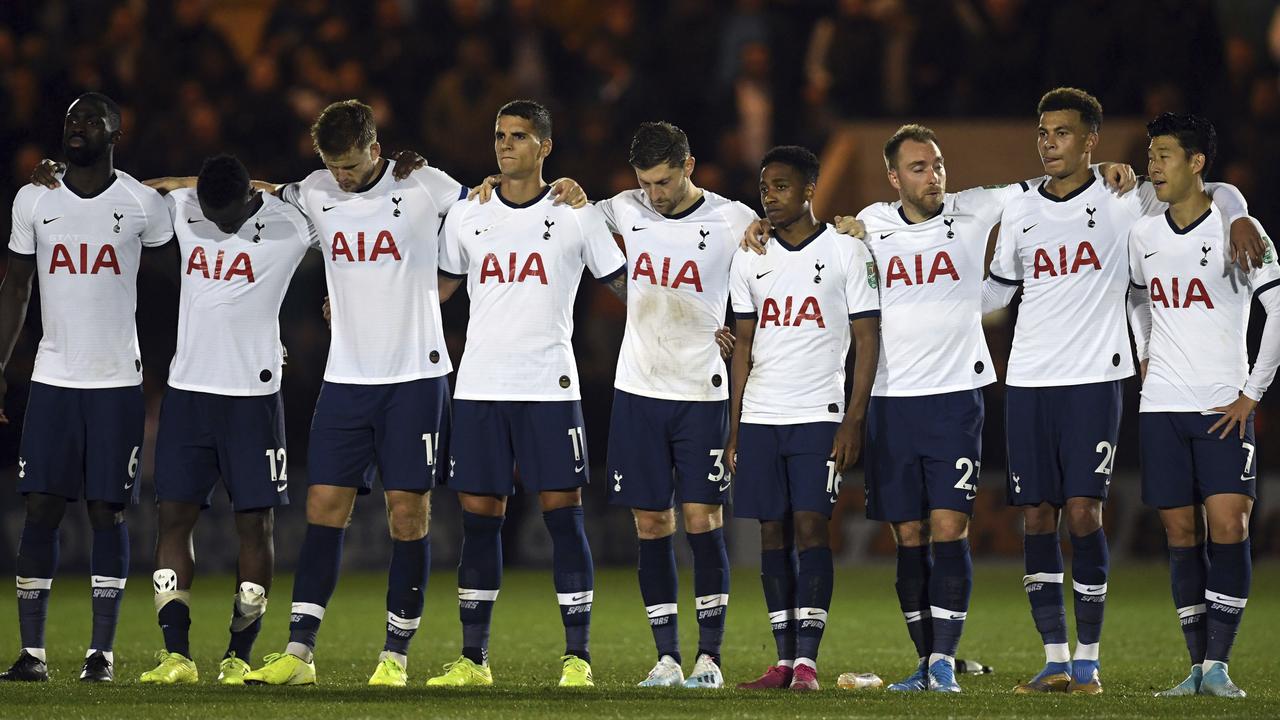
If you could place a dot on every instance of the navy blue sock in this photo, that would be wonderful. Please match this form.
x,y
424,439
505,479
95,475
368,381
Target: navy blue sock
x,y
313,585
406,588
656,568
1090,561
37,562
1042,555
1226,593
109,567
574,577
778,575
912,584
949,588
813,599
175,624
711,589
1189,573
479,579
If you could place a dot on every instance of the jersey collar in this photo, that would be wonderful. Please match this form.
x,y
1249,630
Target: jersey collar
x,y
73,191
1194,224
689,210
903,215
497,192
822,227
1071,195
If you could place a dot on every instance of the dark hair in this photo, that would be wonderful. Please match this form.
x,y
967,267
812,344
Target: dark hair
x,y
795,156
1194,133
344,126
919,133
534,112
222,181
112,110
1068,98
656,143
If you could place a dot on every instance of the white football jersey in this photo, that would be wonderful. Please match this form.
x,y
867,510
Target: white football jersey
x,y
677,293
1199,300
381,249
523,264
930,278
87,251
1070,255
802,300
232,288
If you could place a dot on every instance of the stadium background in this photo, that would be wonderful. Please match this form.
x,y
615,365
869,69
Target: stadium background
x,y
248,76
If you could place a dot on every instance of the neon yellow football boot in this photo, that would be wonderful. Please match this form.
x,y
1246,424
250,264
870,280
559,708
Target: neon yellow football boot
x,y
576,672
463,673
389,673
282,669
231,670
173,669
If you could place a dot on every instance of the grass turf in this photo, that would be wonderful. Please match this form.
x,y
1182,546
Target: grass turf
x,y
1142,652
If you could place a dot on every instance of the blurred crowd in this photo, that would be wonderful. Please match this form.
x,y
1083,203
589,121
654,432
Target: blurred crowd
x,y
737,75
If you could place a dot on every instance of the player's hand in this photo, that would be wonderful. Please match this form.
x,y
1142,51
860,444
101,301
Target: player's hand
x,y
327,311
567,191
726,340
847,445
850,225
756,236
482,192
731,454
406,162
1237,412
1247,246
4,391
1119,177
46,173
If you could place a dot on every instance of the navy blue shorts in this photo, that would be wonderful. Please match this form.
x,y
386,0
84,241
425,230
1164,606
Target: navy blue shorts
x,y
82,442
784,469
544,440
204,436
922,453
1061,441
399,430
666,451
1182,464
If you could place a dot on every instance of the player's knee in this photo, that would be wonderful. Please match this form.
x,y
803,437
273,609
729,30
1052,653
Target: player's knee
x,y
171,523
949,529
254,528
45,510
1084,516
773,535
812,531
408,523
330,509
911,534
105,515
1228,531
701,518
557,499
652,525
1040,519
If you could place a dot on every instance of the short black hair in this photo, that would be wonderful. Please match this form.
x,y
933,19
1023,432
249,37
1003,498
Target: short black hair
x,y
656,143
797,157
344,126
1194,133
919,133
112,110
534,112
223,180
1069,98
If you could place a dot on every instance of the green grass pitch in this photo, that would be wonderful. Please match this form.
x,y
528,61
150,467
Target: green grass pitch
x,y
1142,652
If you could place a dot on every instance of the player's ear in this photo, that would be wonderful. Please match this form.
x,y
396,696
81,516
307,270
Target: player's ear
x,y
375,150
1197,163
689,162
809,190
1091,142
893,179
544,150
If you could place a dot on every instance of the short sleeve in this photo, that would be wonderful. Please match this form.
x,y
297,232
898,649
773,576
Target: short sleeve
x,y
453,257
861,284
744,306
1006,268
600,252
606,209
740,218
159,227
988,202
22,236
1148,203
1267,277
1228,199
171,204
443,189
1137,277
292,194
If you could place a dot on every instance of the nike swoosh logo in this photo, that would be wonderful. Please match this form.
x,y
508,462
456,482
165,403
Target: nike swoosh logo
x,y
970,496
327,209
1028,229
1090,590
638,229
578,468
282,487
579,598
192,220
885,235
760,275
708,603
1147,255
812,613
652,613
957,617
128,485
1247,478
26,582
725,486
46,221
479,231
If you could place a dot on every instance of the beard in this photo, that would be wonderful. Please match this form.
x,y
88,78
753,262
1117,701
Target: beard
x,y
86,154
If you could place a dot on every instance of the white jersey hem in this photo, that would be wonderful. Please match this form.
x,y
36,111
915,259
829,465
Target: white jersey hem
x,y
798,420
82,385
659,395
227,392
387,380
1062,382
511,397
920,392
